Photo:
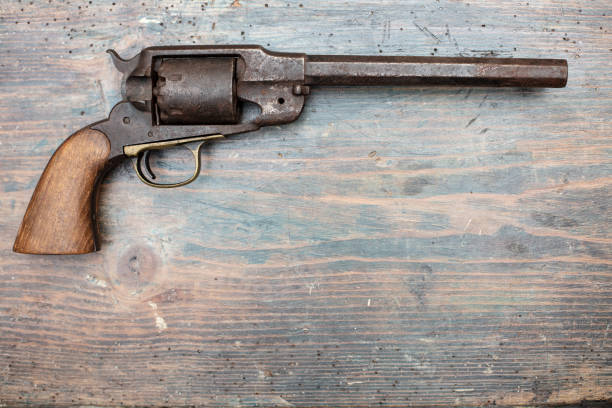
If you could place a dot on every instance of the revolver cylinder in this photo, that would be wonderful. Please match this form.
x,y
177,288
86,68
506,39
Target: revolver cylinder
x,y
195,91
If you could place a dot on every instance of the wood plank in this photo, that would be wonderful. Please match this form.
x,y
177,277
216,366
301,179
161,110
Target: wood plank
x,y
422,247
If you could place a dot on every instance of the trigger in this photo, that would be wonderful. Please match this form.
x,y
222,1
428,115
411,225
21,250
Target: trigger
x,y
146,155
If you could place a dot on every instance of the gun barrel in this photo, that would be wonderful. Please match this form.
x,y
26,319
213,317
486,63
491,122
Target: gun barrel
x,y
427,71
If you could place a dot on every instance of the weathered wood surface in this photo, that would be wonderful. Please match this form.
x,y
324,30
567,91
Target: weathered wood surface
x,y
393,247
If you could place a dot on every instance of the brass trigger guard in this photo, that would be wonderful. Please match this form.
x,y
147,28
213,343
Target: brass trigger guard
x,y
140,150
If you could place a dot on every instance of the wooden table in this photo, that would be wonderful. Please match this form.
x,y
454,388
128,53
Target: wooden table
x,y
394,247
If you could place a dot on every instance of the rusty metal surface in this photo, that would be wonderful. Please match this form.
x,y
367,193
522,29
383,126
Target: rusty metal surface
x,y
178,93
197,86
461,71
196,91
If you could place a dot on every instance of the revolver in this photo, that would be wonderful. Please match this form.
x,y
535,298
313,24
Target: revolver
x,y
183,94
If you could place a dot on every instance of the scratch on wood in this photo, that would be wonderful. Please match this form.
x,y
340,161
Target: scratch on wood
x,y
386,30
467,225
160,323
312,286
102,96
472,121
98,282
483,101
147,20
450,37
426,31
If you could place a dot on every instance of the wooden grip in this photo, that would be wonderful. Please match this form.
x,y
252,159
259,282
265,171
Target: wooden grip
x,y
60,218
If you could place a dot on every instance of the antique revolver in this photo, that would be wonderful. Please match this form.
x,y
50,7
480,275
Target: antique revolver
x,y
184,94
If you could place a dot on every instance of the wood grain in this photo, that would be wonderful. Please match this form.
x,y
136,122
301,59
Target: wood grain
x,y
60,218
393,247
